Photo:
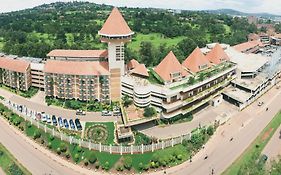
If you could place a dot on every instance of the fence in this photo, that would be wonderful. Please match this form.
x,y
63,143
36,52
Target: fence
x,y
112,149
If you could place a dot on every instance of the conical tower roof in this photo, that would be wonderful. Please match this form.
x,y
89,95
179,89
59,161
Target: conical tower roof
x,y
195,61
217,55
115,25
169,65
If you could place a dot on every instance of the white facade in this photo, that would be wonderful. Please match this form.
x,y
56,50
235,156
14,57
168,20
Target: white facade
x,y
116,56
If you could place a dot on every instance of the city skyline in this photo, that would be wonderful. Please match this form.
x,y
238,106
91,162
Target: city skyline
x,y
249,6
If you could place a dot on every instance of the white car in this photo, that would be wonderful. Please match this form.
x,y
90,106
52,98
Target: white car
x,y
48,118
43,118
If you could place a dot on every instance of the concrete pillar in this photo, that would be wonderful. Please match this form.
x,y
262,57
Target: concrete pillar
x,y
37,124
45,128
132,149
181,139
100,147
152,147
172,142
53,132
60,136
80,142
142,148
162,144
110,149
89,145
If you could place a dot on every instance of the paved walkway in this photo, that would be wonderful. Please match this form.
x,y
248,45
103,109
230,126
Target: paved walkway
x,y
2,172
205,117
244,127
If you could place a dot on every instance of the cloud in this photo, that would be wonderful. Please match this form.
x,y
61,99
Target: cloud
x,y
270,6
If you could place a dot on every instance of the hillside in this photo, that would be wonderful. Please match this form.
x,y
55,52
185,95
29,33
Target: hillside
x,y
74,25
238,13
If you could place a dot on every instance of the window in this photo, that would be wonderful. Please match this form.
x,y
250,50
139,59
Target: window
x,y
119,53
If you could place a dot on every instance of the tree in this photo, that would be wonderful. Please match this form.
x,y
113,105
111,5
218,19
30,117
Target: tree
x,y
127,101
146,53
191,80
149,111
185,47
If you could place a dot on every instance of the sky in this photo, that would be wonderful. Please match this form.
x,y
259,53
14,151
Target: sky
x,y
270,6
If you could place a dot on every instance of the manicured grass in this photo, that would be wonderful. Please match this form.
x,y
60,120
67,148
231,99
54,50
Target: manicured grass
x,y
256,147
155,38
9,163
110,130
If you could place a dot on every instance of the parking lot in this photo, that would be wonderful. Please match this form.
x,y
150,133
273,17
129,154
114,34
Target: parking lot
x,y
65,113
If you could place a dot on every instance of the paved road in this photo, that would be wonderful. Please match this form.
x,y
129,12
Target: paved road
x,y
35,158
243,127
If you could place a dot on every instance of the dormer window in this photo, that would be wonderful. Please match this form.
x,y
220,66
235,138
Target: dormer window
x,y
204,66
175,75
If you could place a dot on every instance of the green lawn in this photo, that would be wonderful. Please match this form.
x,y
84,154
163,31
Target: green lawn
x,y
155,38
253,149
10,164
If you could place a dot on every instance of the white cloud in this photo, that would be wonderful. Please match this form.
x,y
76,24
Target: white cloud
x,y
270,6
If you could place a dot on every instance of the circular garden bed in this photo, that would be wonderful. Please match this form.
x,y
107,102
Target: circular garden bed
x,y
97,133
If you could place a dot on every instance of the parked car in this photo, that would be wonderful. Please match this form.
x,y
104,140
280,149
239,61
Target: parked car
x,y
106,113
38,116
78,124
72,125
263,159
54,119
80,112
48,118
60,122
43,117
65,122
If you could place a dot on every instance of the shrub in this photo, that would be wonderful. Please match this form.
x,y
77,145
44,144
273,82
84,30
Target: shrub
x,y
1,153
67,155
86,162
179,157
29,125
210,130
128,162
79,149
51,137
63,147
58,151
42,141
141,167
149,111
36,134
15,170
146,167
106,166
76,157
49,145
119,168
97,165
92,158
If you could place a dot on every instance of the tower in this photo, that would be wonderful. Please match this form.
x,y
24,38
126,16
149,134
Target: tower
x,y
116,33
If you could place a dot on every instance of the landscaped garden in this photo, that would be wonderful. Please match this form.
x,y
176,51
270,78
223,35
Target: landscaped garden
x,y
27,94
90,106
100,132
149,161
9,163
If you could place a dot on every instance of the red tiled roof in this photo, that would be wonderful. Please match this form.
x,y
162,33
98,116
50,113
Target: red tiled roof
x,y
140,70
76,68
195,60
78,53
132,64
248,45
217,55
15,65
115,25
169,65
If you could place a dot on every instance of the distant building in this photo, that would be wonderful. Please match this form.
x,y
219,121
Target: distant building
x,y
249,46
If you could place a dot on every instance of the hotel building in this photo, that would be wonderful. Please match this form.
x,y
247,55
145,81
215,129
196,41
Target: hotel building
x,y
15,73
